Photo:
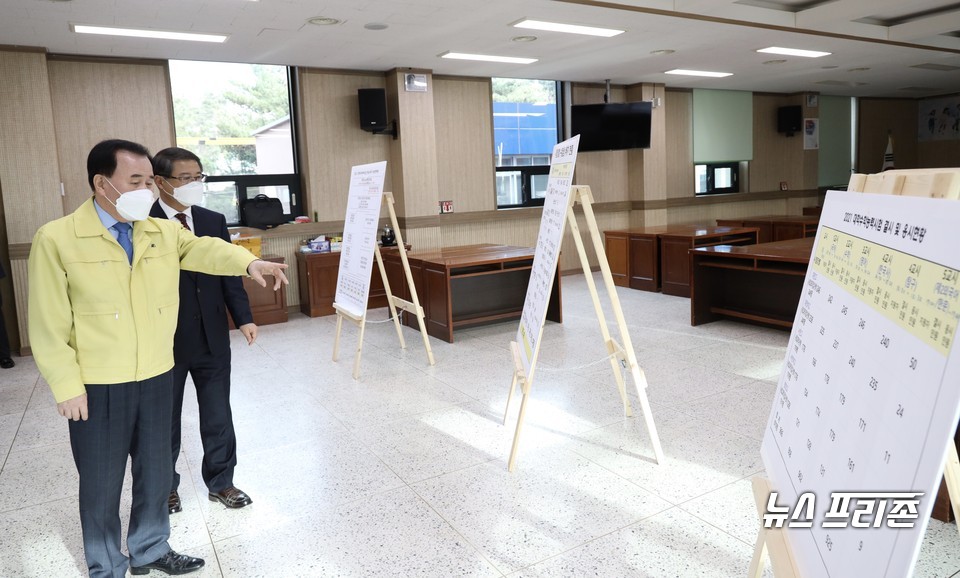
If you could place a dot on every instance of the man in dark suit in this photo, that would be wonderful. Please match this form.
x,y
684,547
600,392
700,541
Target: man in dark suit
x,y
202,342
6,361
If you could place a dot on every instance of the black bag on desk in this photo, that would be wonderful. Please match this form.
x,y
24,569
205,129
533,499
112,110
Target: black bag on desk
x,y
262,212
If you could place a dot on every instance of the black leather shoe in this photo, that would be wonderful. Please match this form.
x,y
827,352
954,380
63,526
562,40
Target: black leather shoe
x,y
231,497
173,502
170,563
6,363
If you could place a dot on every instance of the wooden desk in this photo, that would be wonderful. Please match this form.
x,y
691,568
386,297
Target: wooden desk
x,y
268,306
318,274
656,257
777,227
760,283
469,285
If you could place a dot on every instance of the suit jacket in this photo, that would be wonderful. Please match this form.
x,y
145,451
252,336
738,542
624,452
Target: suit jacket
x,y
205,299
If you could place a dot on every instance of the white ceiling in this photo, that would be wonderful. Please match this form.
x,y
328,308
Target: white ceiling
x,y
887,37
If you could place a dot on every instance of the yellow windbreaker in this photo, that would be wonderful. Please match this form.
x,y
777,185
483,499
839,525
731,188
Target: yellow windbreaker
x,y
94,318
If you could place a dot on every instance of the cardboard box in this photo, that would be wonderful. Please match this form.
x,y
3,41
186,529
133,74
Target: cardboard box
x,y
251,244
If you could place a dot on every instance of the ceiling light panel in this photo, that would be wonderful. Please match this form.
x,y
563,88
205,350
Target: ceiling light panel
x,y
793,52
707,73
487,58
139,33
568,28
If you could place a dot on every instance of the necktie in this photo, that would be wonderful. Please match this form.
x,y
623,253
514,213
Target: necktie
x,y
123,237
183,220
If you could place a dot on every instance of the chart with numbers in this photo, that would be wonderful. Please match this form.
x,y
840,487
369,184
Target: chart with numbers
x,y
552,223
360,236
869,395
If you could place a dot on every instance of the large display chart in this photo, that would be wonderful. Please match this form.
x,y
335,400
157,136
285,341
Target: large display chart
x,y
360,237
555,205
869,396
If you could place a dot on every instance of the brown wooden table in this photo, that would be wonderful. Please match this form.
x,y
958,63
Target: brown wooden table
x,y
655,258
468,285
777,227
318,274
760,283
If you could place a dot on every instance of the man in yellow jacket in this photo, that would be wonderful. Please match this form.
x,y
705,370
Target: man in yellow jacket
x,y
104,294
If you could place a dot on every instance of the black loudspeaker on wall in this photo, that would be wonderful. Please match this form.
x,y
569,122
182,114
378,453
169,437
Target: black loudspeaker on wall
x,y
373,109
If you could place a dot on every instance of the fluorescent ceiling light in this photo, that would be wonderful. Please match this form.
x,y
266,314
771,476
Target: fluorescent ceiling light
x,y
137,33
794,52
488,58
570,28
683,72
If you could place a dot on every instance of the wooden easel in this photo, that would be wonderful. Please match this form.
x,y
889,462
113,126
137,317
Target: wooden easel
x,y
620,355
393,302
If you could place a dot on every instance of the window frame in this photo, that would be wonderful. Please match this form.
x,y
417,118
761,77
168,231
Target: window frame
x,y
244,182
527,172
293,181
711,168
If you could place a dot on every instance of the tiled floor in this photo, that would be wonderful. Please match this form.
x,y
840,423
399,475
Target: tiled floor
x,y
403,472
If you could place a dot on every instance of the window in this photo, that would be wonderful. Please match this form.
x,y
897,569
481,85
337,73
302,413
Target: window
x,y
526,128
237,119
716,178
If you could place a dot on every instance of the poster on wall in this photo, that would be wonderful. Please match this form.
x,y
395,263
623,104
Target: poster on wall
x,y
811,134
939,119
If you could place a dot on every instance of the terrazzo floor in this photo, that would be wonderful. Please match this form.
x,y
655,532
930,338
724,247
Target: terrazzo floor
x,y
403,472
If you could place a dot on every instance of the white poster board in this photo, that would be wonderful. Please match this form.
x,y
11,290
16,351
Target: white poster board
x,y
555,203
870,391
360,237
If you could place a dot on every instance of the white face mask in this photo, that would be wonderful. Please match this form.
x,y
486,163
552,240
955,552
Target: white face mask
x,y
189,194
133,205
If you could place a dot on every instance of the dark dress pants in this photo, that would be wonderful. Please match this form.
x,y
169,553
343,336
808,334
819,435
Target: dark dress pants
x,y
211,377
124,419
4,340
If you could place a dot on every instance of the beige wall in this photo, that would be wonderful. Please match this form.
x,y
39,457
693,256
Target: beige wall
x,y
94,101
463,109
679,144
332,141
777,157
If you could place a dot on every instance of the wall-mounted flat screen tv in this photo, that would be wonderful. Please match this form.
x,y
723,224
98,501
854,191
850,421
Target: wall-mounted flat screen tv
x,y
612,126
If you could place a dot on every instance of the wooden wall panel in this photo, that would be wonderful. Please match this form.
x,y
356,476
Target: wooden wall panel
x,y
28,146
464,141
878,117
937,154
679,144
776,157
93,101
29,176
333,140
416,148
